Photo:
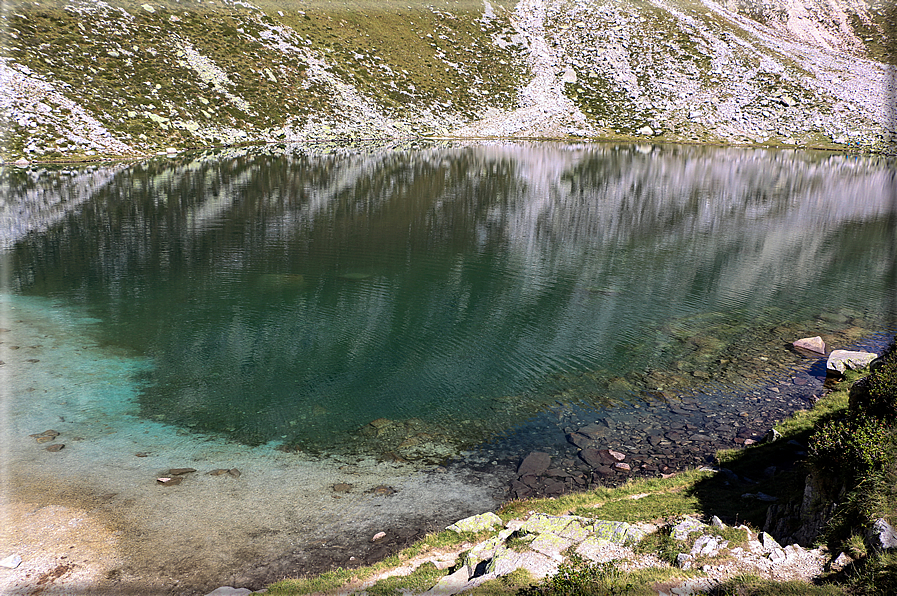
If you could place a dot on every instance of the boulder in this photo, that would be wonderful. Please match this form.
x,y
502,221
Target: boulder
x,y
840,360
881,536
813,345
535,463
476,523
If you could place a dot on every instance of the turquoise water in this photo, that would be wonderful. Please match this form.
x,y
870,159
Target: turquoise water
x,y
449,292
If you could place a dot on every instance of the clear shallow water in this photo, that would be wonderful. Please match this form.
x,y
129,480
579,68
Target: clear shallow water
x,y
353,316
294,298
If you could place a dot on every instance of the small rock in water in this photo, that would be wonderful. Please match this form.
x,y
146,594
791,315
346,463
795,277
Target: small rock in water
x,y
535,463
378,536
46,436
234,473
341,487
56,447
170,481
218,472
11,562
813,345
141,454
382,490
180,471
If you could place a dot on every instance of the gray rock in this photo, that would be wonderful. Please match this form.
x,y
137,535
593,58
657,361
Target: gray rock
x,y
450,584
881,536
687,526
777,555
772,436
535,463
506,561
841,561
229,591
11,562
684,561
768,541
840,360
708,545
717,522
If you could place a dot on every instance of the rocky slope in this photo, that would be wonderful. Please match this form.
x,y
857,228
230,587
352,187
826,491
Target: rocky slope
x,y
87,79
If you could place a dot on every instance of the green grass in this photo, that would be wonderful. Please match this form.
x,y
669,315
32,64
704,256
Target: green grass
x,y
751,585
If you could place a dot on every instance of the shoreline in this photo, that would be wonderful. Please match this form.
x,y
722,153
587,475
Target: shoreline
x,y
625,139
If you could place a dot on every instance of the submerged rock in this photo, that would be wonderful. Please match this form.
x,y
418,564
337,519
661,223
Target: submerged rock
x,y
813,345
536,463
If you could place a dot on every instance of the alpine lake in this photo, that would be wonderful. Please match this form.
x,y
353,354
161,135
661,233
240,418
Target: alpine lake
x,y
341,339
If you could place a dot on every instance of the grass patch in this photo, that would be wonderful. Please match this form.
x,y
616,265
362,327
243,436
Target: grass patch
x,y
419,580
578,577
752,585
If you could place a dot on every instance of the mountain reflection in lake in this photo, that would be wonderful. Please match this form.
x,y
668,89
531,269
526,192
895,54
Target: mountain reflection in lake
x,y
297,296
373,336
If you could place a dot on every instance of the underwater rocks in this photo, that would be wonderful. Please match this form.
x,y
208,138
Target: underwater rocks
x,y
406,440
176,476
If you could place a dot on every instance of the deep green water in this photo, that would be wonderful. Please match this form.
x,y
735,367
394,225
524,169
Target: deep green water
x,y
295,296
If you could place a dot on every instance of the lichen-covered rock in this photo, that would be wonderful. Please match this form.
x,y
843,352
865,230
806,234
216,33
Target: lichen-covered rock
x,y
551,545
476,523
484,551
507,560
541,523
617,532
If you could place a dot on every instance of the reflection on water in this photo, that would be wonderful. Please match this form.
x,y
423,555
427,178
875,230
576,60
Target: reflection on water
x,y
447,293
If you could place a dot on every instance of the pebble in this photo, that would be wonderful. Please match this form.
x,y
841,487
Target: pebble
x,y
378,536
11,562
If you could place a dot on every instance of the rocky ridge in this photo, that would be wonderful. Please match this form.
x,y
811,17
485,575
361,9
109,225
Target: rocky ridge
x,y
85,80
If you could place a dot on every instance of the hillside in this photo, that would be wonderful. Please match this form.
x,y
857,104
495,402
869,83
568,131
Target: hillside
x,y
88,79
